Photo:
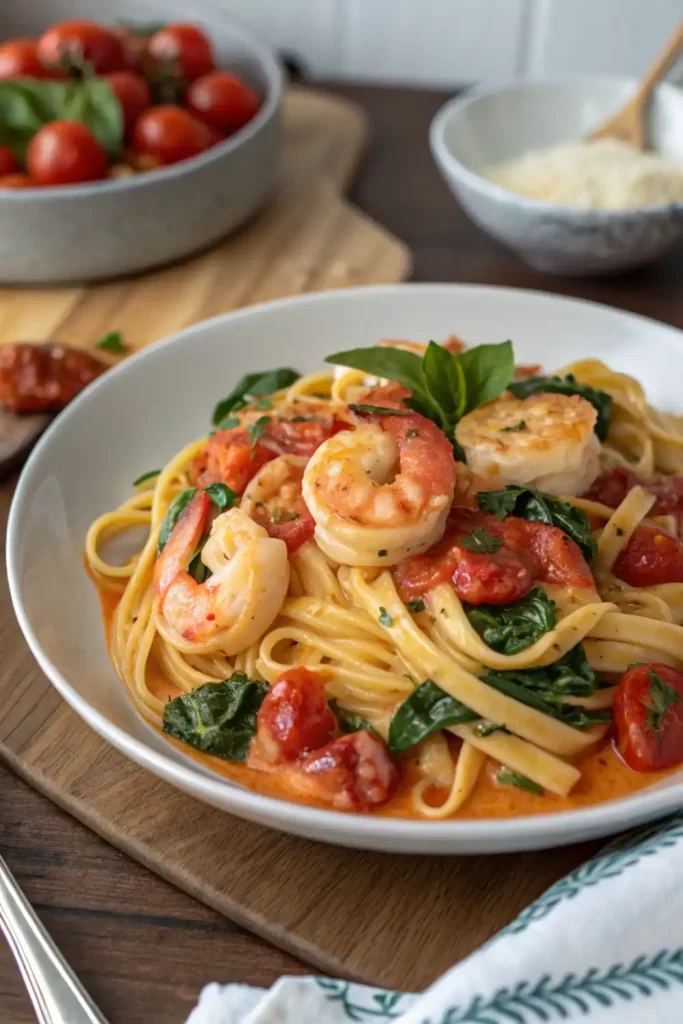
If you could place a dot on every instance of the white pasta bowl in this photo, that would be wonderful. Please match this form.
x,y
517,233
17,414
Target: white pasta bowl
x,y
86,461
487,126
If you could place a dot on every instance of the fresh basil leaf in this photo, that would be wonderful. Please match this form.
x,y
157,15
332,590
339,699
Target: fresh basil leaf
x,y
257,430
600,400
222,496
230,423
547,688
253,384
480,540
445,381
380,361
146,476
173,514
196,568
512,628
506,777
111,342
26,104
427,709
541,508
264,403
217,718
488,370
377,410
349,721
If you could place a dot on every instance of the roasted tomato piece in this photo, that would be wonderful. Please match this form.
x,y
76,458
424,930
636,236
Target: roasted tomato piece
x,y
652,556
294,718
353,773
44,378
648,715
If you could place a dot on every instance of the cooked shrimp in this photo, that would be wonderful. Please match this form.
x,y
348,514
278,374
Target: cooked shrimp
x,y
273,499
545,441
381,492
235,606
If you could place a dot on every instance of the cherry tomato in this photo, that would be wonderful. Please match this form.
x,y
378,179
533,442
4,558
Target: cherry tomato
x,y
353,773
133,94
648,715
294,717
19,58
229,458
8,162
184,46
18,180
652,556
64,153
222,100
169,133
82,40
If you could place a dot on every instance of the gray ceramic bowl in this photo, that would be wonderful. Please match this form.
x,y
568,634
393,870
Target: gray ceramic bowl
x,y
487,126
106,229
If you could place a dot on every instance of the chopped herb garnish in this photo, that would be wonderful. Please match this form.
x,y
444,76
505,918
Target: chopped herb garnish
x,y
146,476
620,532
415,606
506,777
485,729
412,433
378,410
230,423
257,430
112,342
481,540
282,515
264,403
385,618
660,697
382,553
513,430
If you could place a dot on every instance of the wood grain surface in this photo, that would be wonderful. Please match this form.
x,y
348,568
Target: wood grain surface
x,y
144,949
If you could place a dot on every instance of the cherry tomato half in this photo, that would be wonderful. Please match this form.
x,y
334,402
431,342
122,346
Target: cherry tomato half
x,y
65,153
648,715
184,46
170,134
133,94
19,58
8,162
18,180
82,40
222,100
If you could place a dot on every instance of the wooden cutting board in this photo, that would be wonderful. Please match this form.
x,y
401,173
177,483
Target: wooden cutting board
x,y
393,920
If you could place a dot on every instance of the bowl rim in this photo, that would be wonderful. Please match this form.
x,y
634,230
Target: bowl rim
x,y
273,71
350,829
447,160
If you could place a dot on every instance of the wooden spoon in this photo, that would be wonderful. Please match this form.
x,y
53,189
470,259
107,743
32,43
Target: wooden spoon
x,y
627,125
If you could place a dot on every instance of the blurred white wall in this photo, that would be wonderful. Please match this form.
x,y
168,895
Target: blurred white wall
x,y
446,42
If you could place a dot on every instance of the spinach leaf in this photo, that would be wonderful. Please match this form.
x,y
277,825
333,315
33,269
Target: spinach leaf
x,y
173,514
541,508
506,777
350,722
26,104
481,540
253,384
600,400
547,688
111,342
427,709
512,628
217,718
488,370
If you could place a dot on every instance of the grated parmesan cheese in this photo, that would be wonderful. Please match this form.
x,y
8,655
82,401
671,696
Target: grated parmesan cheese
x,y
601,175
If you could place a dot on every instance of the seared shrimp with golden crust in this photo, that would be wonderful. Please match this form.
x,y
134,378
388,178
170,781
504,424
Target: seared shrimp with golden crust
x,y
546,441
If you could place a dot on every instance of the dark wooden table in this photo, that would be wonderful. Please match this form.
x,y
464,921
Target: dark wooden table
x,y
142,948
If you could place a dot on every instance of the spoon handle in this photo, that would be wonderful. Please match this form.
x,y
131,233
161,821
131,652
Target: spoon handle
x,y
661,64
56,993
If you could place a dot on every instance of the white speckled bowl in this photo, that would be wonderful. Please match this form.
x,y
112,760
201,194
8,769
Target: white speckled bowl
x,y
486,126
109,228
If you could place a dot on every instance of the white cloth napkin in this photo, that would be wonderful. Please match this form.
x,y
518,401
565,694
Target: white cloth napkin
x,y
604,945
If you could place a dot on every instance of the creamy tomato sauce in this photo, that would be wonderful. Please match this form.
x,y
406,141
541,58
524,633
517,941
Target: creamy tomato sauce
x,y
604,776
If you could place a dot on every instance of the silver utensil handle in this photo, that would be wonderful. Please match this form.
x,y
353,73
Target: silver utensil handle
x,y
56,993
